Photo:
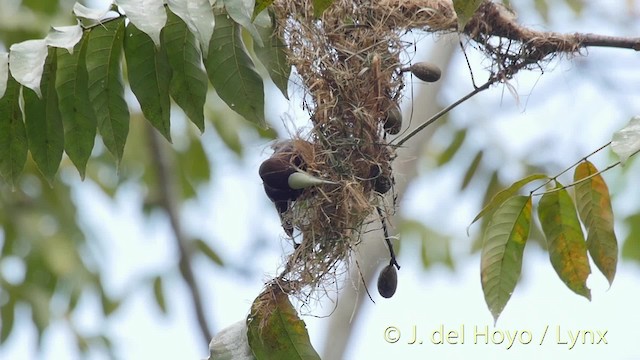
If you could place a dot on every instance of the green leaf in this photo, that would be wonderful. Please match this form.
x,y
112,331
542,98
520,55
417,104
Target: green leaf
x,y
49,7
577,6
195,162
7,317
109,305
229,133
471,171
492,188
188,86
502,249
158,294
567,247
260,5
149,76
43,121
207,251
193,168
13,136
542,6
452,149
232,72
273,56
631,246
275,331
435,247
319,6
594,206
505,194
465,10
106,91
78,118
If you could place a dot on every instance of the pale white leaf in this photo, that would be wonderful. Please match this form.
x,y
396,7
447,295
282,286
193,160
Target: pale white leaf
x,y
626,142
198,15
263,20
92,14
147,15
241,12
65,37
231,343
26,63
4,72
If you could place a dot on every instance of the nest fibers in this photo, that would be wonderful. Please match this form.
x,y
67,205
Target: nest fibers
x,y
348,61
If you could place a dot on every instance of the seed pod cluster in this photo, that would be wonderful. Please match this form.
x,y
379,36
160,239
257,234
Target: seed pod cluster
x,y
426,71
393,119
388,281
381,177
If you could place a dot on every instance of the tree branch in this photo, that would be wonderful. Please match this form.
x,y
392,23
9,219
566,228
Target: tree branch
x,y
168,201
495,30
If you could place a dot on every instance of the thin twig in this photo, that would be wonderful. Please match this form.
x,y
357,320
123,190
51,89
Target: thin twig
x,y
571,167
580,180
387,239
165,176
442,112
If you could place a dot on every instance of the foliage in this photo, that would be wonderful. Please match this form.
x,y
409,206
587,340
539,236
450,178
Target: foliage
x,y
159,63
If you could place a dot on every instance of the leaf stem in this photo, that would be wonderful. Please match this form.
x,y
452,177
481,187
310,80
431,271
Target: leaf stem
x,y
581,180
387,239
442,112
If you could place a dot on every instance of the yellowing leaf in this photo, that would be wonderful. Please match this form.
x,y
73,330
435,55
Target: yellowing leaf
x,y
567,247
594,207
275,331
465,10
502,249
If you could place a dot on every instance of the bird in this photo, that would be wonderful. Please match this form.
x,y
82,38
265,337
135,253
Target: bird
x,y
284,179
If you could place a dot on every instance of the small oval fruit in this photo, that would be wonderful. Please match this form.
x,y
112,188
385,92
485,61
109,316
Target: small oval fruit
x,y
393,120
426,71
388,281
382,184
